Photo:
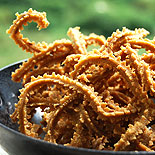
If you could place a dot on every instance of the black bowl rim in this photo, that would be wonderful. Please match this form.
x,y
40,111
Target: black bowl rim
x,y
67,147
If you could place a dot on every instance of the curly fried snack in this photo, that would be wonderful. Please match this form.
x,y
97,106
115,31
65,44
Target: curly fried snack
x,y
99,99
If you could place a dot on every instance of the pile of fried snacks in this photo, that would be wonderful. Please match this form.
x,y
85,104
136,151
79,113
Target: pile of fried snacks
x,y
99,99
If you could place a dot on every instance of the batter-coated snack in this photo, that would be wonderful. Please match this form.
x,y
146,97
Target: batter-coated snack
x,y
99,99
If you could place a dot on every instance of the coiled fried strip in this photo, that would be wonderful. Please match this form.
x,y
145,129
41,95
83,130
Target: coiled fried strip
x,y
46,56
23,19
119,38
100,99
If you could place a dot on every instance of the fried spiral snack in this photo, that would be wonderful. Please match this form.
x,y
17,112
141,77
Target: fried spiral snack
x,y
99,99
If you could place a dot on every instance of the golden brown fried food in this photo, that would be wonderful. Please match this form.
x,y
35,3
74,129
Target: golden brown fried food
x,y
99,99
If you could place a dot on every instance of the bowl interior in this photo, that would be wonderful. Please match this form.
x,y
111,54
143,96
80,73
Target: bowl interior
x,y
9,92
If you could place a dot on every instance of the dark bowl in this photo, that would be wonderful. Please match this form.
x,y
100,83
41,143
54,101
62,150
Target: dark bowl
x,y
16,143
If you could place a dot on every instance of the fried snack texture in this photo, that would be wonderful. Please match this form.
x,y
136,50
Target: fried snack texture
x,y
101,98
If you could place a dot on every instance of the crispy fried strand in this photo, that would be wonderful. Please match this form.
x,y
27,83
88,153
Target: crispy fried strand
x,y
100,99
23,19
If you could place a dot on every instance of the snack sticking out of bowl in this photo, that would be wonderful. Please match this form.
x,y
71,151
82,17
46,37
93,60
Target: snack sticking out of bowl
x,y
99,99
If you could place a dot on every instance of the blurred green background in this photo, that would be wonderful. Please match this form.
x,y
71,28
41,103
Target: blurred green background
x,y
98,16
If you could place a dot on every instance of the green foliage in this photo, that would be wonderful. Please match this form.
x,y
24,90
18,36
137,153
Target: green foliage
x,y
99,16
